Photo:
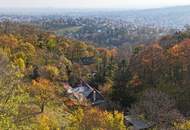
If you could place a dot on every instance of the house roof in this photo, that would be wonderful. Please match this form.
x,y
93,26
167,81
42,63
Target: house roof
x,y
88,60
84,90
137,123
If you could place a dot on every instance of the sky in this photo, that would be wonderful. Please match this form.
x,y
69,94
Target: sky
x,y
123,4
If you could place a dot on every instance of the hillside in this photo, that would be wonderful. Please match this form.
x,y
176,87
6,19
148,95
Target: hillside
x,y
172,17
43,77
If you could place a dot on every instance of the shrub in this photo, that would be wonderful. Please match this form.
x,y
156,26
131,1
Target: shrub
x,y
95,119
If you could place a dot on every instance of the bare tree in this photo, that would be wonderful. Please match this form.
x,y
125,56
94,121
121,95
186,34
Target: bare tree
x,y
157,107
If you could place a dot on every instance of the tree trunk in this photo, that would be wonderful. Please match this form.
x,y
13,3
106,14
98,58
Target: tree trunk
x,y
42,107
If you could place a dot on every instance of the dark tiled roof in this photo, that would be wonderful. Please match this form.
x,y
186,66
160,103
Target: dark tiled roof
x,y
137,123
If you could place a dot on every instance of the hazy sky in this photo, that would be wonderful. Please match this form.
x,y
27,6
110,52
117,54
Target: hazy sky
x,y
124,4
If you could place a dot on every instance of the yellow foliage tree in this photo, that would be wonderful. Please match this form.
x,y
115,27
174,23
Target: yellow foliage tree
x,y
43,90
95,119
182,126
21,64
52,71
47,122
29,50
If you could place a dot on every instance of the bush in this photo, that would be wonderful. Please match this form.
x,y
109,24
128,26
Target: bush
x,y
95,119
47,122
51,71
182,126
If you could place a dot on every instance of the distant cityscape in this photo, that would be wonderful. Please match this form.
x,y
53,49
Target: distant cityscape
x,y
106,27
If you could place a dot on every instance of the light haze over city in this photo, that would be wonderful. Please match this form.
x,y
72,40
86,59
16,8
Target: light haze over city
x,y
94,4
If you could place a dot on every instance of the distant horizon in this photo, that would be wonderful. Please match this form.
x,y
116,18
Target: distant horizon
x,y
103,9
91,4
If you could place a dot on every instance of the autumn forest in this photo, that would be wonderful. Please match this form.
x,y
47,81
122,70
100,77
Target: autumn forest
x,y
61,82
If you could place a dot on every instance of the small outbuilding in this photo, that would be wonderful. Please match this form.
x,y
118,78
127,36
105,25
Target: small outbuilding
x,y
87,60
137,124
